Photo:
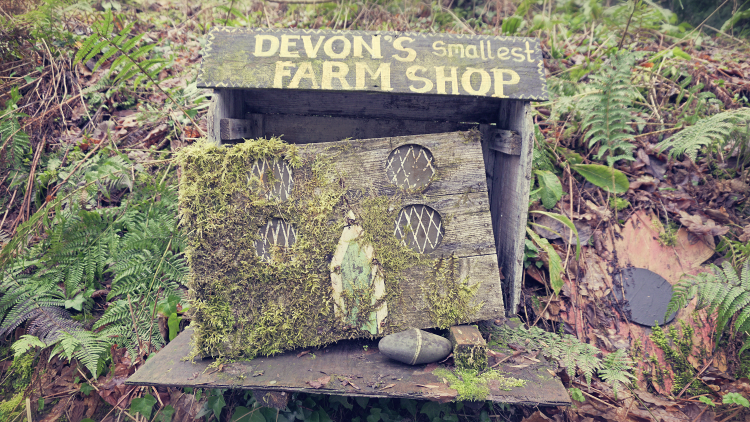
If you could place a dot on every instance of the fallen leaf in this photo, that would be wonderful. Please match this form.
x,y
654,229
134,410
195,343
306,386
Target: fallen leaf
x,y
428,386
388,386
695,224
302,353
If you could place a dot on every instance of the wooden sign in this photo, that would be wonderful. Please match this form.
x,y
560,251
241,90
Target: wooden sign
x,y
385,62
304,245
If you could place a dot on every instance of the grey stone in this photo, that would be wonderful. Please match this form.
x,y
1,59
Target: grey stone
x,y
415,347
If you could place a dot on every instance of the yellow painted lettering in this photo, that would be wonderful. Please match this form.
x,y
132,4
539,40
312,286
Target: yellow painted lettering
x,y
518,56
411,74
458,48
281,71
329,74
528,52
471,52
500,82
502,53
273,46
441,79
286,42
383,71
305,71
310,50
410,53
373,48
438,46
484,85
345,49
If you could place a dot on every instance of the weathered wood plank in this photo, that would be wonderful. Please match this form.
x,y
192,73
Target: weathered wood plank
x,y
457,192
371,105
366,368
384,62
510,199
478,269
312,129
506,141
239,129
457,162
224,104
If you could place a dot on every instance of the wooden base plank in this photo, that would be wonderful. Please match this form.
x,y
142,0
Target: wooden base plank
x,y
355,368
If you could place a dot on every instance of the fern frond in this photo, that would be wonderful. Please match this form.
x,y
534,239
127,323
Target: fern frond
x,y
615,370
721,290
716,129
608,109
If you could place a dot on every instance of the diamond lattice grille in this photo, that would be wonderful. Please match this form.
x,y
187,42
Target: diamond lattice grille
x,y
276,233
275,176
419,227
410,166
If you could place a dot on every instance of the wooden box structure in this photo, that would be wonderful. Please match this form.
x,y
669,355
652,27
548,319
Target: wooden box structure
x,y
442,122
406,165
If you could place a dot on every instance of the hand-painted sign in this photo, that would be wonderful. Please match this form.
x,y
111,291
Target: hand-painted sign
x,y
388,62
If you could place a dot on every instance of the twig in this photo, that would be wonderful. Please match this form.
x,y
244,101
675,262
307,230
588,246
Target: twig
x,y
698,27
8,209
725,34
156,83
627,25
694,378
135,325
732,415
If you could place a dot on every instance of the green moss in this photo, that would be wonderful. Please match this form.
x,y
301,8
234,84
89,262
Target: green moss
x,y
22,369
451,298
474,385
244,306
472,358
618,203
668,235
677,347
11,409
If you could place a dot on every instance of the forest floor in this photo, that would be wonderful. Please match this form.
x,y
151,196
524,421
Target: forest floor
x,y
88,193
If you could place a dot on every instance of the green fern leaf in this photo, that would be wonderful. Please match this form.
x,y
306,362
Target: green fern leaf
x,y
717,129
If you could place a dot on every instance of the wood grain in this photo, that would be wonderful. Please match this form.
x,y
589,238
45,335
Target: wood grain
x,y
313,129
385,62
370,105
510,200
354,370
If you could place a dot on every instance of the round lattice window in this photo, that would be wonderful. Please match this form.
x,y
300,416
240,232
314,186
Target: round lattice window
x,y
410,166
419,227
275,177
276,233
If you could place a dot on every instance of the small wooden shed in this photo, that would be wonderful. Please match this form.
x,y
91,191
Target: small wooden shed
x,y
322,86
443,121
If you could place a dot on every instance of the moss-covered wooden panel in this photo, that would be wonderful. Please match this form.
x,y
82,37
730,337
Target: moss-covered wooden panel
x,y
294,246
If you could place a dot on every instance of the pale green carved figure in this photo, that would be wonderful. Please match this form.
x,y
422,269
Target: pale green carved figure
x,y
352,268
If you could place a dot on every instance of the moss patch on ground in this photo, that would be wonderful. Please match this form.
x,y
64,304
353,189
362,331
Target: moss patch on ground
x,y
244,305
677,346
474,385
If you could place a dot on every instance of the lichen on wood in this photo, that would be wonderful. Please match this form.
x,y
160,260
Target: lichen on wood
x,y
245,306
451,298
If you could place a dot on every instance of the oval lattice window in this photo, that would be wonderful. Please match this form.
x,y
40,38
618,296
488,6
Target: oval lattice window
x,y
410,166
276,233
419,227
275,176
